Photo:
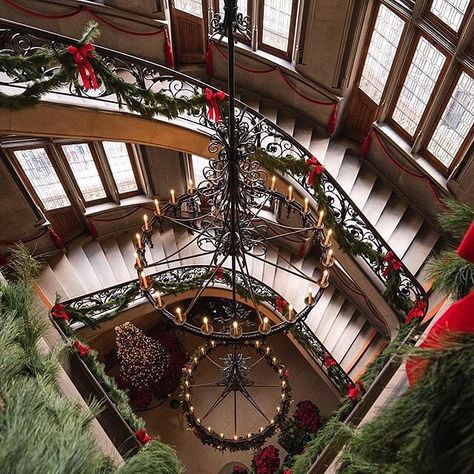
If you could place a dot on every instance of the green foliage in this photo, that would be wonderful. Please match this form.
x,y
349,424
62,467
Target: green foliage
x,y
451,274
457,218
41,430
430,428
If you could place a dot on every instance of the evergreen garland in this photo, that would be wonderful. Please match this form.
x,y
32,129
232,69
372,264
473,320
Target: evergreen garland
x,y
457,218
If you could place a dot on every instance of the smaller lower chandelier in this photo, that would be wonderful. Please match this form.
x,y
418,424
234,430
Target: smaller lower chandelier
x,y
235,372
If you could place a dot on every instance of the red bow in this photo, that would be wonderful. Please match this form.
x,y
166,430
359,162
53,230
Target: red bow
x,y
219,274
280,303
214,112
315,169
329,361
58,312
81,57
416,312
143,437
82,349
286,373
393,264
355,390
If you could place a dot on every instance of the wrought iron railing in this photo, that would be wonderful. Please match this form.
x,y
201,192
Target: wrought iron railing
x,y
180,276
149,75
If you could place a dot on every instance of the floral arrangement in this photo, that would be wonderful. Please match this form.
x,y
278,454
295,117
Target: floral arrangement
x,y
267,460
239,469
307,416
293,437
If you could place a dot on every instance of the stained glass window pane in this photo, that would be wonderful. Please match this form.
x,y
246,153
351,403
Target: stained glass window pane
x,y
42,176
419,83
121,166
276,23
456,122
381,53
85,171
450,12
193,7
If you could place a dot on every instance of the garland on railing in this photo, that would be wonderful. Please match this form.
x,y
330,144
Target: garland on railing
x,y
346,240
94,73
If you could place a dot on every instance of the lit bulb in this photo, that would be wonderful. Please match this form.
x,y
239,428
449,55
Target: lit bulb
x,y
320,218
157,207
139,241
145,221
272,187
172,197
306,205
327,241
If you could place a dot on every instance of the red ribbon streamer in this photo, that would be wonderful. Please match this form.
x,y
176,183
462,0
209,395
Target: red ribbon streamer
x,y
331,127
92,228
209,60
169,56
57,239
214,112
417,311
81,56
42,15
315,169
364,148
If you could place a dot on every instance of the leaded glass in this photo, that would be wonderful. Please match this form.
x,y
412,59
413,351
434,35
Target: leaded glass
x,y
193,7
85,171
43,177
121,166
381,53
450,12
276,23
456,122
419,83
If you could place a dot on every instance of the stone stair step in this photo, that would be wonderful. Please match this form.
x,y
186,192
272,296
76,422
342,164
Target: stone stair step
x,y
115,259
420,248
99,263
375,347
362,187
269,111
348,171
127,249
66,274
169,246
319,309
268,269
405,233
339,325
357,345
391,216
303,133
83,268
335,305
377,201
286,121
282,282
348,336
333,157
50,285
158,252
251,101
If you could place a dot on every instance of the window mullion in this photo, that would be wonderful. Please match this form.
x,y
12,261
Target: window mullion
x,y
102,163
406,50
465,36
59,162
428,124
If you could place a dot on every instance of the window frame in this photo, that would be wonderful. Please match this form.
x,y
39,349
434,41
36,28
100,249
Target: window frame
x,y
401,81
133,163
29,185
445,170
440,25
287,55
101,172
365,50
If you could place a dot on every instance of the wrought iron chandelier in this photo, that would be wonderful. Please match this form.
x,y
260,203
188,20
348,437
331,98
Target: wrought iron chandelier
x,y
227,214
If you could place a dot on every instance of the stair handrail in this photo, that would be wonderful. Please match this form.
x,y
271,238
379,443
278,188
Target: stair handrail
x,y
302,332
271,137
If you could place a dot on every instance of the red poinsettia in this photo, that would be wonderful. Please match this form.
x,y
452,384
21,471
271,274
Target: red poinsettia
x,y
315,169
307,416
267,460
82,349
239,469
143,437
219,275
58,311
329,361
280,303
288,471
416,312
393,264
355,391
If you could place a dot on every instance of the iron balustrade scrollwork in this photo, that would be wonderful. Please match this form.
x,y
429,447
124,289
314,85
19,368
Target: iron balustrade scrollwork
x,y
189,277
19,40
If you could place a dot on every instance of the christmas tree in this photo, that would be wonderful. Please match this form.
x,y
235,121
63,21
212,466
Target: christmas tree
x,y
142,360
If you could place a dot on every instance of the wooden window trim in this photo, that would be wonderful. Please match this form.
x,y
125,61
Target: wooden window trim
x,y
291,36
365,50
465,144
408,61
444,28
100,171
27,183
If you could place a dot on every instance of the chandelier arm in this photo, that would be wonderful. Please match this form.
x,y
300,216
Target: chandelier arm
x,y
206,385
201,290
257,362
213,362
219,400
263,386
180,259
289,233
250,399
